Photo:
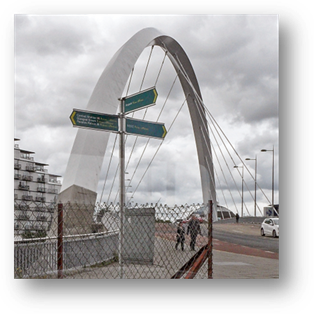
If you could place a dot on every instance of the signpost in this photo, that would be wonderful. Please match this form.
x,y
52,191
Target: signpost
x,y
106,122
140,100
92,120
145,128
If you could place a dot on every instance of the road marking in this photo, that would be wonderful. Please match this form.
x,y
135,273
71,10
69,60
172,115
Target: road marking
x,y
232,264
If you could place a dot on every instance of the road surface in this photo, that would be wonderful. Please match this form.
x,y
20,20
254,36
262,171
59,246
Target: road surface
x,y
247,235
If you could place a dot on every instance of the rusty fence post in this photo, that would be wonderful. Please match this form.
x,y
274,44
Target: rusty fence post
x,y
60,241
210,240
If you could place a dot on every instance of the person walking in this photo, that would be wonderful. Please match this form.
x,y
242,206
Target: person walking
x,y
194,229
237,217
180,236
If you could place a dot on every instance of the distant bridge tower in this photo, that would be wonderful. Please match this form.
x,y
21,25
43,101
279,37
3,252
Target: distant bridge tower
x,y
85,162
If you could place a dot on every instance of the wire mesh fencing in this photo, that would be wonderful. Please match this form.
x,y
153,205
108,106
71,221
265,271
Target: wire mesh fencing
x,y
75,241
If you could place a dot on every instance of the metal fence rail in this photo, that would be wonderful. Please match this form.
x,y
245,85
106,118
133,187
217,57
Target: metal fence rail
x,y
145,249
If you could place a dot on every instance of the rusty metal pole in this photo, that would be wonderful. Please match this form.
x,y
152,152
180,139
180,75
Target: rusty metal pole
x,y
60,241
210,240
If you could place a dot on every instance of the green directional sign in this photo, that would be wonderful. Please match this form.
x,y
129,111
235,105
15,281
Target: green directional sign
x,y
140,100
145,128
92,120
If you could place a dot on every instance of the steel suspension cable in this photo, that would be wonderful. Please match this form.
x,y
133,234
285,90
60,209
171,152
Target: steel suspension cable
x,y
206,109
127,92
142,82
213,134
162,63
203,106
134,144
157,149
151,51
156,121
234,164
223,174
113,148
102,192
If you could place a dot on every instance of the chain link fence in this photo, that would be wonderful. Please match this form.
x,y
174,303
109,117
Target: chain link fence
x,y
86,241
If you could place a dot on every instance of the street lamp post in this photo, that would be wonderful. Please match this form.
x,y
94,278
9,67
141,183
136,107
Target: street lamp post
x,y
272,196
255,182
242,188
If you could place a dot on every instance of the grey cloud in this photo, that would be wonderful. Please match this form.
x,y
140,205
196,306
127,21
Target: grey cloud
x,y
60,58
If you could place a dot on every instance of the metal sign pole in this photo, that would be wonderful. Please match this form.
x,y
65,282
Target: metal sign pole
x,y
210,239
122,186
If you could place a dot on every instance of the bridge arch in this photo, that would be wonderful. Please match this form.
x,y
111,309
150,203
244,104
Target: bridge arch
x,y
82,173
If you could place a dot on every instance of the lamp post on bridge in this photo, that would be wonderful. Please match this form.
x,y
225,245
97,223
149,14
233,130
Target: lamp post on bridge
x,y
272,195
242,187
255,182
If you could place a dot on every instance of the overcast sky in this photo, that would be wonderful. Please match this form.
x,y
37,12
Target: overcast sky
x,y
58,60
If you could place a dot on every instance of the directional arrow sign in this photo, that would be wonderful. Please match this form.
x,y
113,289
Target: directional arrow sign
x,y
145,128
86,119
140,100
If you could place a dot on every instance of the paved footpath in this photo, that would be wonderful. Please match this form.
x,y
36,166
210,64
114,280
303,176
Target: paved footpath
x,y
230,261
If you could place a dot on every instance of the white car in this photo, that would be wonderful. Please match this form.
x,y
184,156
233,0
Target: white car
x,y
270,226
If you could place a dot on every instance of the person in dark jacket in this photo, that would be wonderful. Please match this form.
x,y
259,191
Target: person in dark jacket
x,y
237,217
194,229
180,236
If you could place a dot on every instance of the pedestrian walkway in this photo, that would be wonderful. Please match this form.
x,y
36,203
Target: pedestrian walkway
x,y
226,265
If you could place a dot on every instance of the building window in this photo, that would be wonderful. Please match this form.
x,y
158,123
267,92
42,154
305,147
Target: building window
x,y
41,178
30,167
41,188
23,186
27,197
40,197
17,175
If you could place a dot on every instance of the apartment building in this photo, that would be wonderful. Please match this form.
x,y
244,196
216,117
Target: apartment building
x,y
35,194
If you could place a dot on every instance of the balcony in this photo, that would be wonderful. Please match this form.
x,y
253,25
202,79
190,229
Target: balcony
x,y
41,208
17,166
53,191
23,187
30,168
23,217
41,189
41,180
23,207
27,178
41,218
26,156
17,176
54,181
51,208
16,225
27,197
38,227
40,199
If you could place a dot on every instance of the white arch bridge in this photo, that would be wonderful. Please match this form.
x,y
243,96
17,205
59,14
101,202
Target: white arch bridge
x,y
84,166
